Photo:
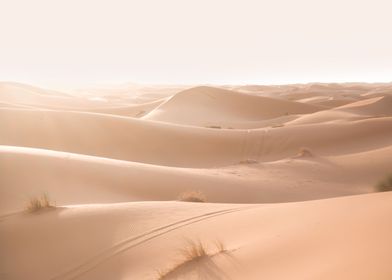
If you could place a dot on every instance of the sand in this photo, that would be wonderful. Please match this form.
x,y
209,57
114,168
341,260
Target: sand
x,y
289,173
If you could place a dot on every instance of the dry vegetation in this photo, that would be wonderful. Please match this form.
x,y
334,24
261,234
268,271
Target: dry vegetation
x,y
192,252
304,153
249,161
385,185
192,196
214,126
37,203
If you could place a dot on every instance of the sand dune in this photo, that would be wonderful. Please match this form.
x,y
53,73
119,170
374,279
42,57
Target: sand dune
x,y
14,95
353,91
377,106
131,93
86,179
126,247
333,103
328,116
367,108
288,172
136,110
31,96
29,172
171,145
208,106
119,137
327,101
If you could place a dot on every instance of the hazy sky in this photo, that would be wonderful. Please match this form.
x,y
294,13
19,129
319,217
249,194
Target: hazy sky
x,y
50,42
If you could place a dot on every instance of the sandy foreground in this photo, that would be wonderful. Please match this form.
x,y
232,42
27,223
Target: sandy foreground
x,y
288,172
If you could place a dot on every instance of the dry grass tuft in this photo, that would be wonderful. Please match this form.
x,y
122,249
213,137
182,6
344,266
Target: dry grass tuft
x,y
192,196
385,185
249,161
220,246
192,252
37,203
304,153
214,126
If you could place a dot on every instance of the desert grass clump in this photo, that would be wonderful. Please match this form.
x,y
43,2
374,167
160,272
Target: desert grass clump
x,y
37,203
248,161
192,196
193,251
214,126
304,153
385,185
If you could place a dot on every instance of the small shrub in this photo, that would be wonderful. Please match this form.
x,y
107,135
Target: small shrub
x,y
304,153
385,185
34,204
214,126
192,196
45,201
193,251
37,203
140,114
248,161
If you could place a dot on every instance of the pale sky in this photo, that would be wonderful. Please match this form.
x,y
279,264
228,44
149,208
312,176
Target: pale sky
x,y
81,42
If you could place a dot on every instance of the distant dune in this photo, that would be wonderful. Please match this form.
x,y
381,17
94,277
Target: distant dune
x,y
367,108
207,106
376,106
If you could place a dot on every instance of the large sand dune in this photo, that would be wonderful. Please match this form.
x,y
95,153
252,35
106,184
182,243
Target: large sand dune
x,y
288,173
207,106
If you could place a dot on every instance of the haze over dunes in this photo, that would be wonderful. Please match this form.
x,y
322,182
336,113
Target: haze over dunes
x,y
288,173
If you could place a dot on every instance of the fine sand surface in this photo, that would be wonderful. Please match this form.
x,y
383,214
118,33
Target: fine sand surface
x,y
289,174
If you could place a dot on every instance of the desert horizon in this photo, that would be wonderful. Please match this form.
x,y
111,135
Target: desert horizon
x,y
196,182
